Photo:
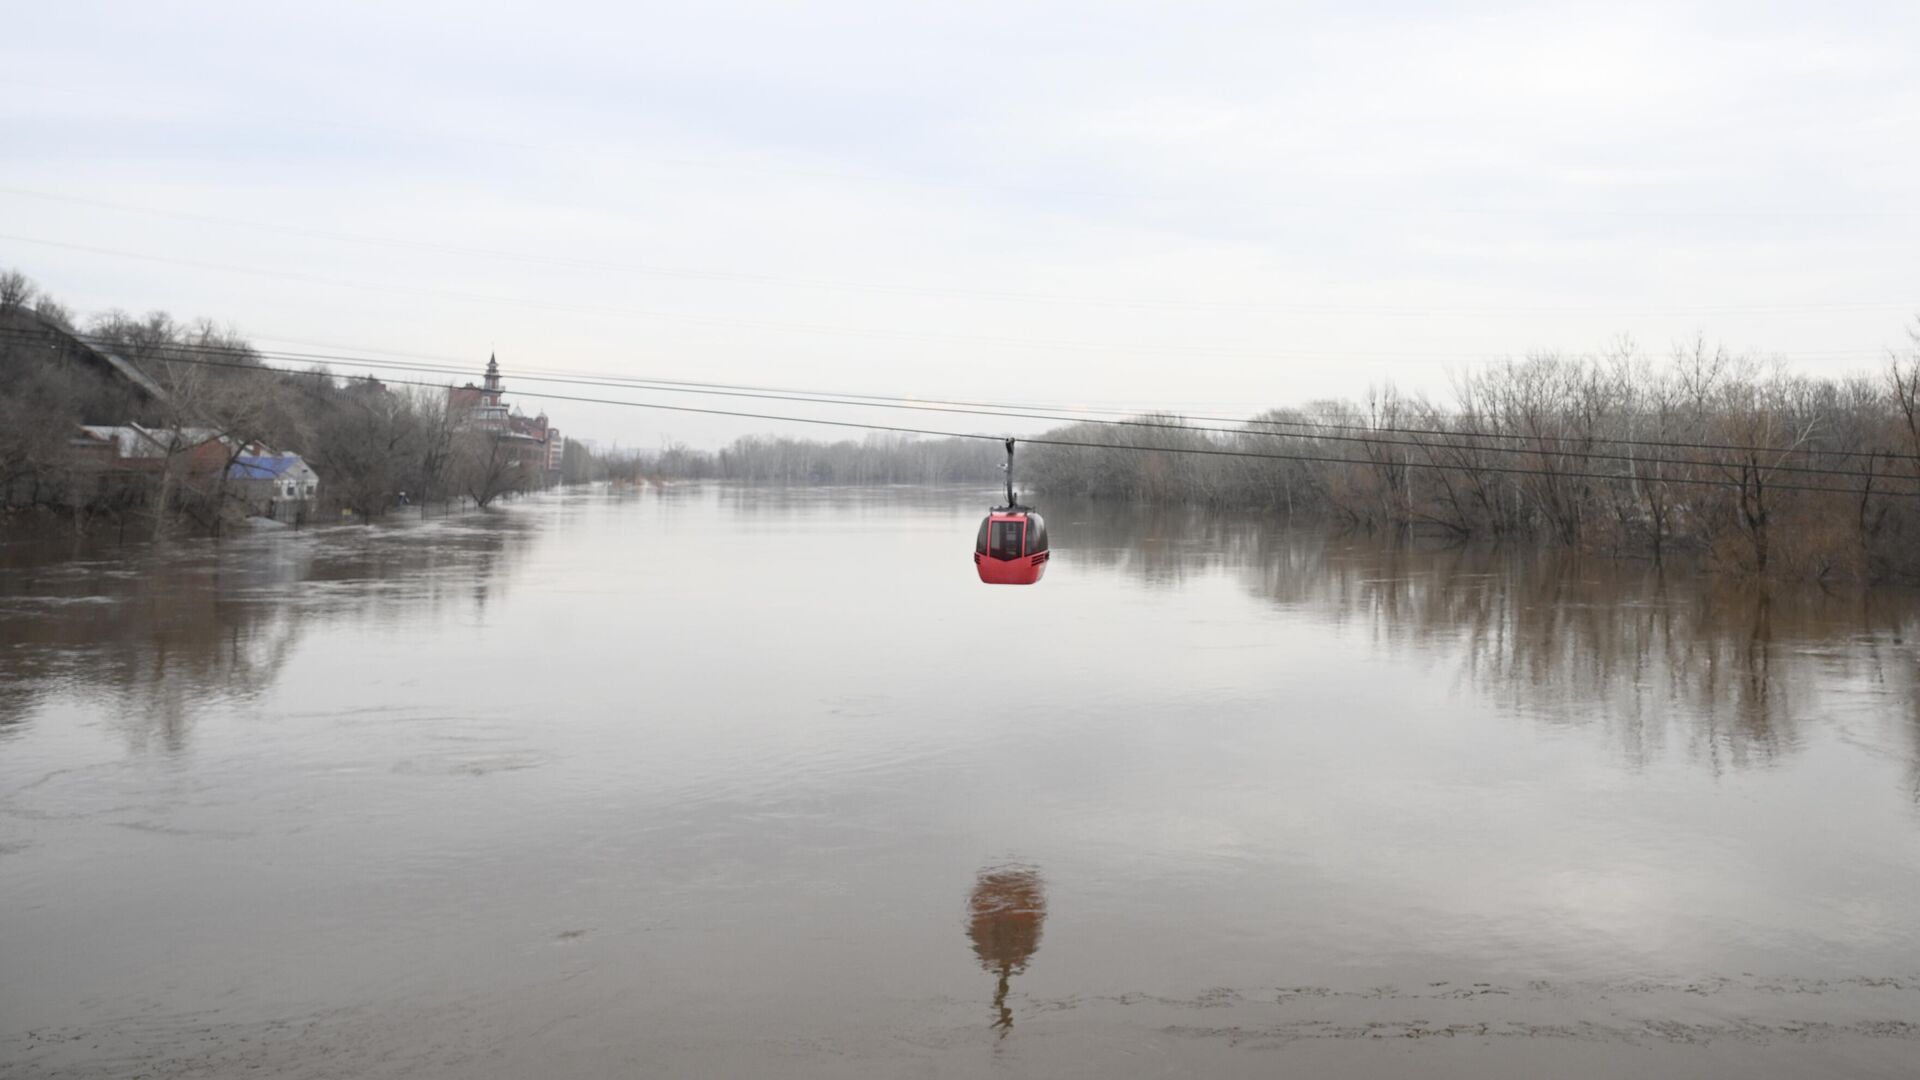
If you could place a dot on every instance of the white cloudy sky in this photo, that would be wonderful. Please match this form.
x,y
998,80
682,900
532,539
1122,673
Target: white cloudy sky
x,y
1194,205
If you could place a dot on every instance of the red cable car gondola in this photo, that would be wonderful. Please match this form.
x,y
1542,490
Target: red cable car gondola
x,y
1012,546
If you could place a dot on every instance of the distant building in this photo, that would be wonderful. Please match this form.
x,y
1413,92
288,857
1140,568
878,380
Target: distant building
x,y
535,446
124,464
137,441
121,465
121,456
481,406
529,427
279,486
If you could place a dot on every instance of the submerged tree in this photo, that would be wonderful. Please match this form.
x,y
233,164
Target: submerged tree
x,y
486,465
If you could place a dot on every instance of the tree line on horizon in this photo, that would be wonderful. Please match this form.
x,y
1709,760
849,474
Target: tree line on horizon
x,y
881,458
1704,454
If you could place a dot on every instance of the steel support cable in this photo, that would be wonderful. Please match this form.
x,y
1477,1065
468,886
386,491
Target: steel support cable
x,y
1133,447
461,368
1030,413
634,383
465,367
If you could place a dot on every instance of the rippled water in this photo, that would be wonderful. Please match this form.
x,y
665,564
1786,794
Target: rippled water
x,y
725,782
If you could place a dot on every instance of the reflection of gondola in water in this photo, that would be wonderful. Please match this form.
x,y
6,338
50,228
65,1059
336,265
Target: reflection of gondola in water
x,y
1012,546
1003,918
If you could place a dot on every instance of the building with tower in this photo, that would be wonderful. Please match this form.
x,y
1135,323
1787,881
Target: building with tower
x,y
481,406
536,445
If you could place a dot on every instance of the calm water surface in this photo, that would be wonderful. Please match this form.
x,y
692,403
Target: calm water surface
x,y
725,782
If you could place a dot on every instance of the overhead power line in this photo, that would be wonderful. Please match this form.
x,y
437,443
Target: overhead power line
x,y
1027,414
1089,414
1023,412
237,364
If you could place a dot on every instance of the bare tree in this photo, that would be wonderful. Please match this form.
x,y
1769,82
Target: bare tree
x,y
485,465
17,290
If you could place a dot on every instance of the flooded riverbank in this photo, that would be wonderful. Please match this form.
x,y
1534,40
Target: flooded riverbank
x,y
719,781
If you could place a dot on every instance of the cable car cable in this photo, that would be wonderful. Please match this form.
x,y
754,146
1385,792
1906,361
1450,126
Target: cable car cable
x,y
1043,441
985,409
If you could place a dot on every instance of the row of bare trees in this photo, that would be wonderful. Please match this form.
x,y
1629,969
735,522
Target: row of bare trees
x,y
881,458
1705,453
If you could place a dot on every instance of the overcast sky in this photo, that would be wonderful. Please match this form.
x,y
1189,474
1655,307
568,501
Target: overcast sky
x,y
1220,207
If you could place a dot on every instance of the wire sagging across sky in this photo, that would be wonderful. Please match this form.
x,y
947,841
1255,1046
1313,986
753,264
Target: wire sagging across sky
x,y
1377,435
241,360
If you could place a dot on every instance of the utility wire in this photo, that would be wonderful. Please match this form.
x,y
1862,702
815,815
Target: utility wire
x,y
1069,443
1092,415
1034,413
1025,414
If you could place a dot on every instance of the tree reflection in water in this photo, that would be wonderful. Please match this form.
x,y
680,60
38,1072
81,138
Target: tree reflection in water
x,y
163,631
1726,671
1004,915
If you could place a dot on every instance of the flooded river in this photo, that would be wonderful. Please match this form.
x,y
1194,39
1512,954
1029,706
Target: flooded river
x,y
723,782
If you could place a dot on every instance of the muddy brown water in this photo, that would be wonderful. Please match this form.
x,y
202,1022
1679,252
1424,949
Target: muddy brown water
x,y
730,782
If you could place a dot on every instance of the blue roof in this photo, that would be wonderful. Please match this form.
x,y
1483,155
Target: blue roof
x,y
249,467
